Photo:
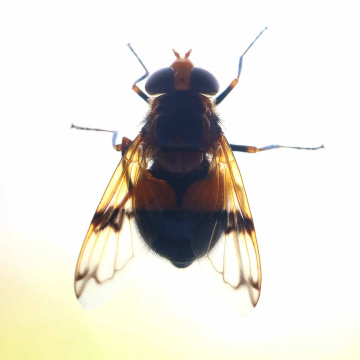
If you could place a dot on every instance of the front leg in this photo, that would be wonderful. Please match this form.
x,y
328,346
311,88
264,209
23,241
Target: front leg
x,y
135,87
225,93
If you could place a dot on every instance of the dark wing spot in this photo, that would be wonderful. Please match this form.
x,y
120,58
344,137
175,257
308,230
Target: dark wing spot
x,y
110,217
240,220
98,219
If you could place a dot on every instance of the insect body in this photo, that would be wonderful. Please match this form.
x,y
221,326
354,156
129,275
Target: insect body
x,y
179,187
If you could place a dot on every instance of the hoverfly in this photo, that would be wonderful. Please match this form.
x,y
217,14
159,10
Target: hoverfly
x,y
178,188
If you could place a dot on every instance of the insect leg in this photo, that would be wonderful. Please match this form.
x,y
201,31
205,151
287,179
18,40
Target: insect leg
x,y
125,144
135,87
225,93
253,149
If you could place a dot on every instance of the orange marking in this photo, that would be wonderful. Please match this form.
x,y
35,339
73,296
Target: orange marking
x,y
234,83
204,196
154,194
182,71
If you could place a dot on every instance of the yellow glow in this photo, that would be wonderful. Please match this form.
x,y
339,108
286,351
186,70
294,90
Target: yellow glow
x,y
66,62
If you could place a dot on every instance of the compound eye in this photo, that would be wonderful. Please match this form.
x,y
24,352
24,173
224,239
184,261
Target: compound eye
x,y
203,82
160,82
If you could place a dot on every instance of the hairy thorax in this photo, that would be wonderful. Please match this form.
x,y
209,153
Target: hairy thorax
x,y
180,129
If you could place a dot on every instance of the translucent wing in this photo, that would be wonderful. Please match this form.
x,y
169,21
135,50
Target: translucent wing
x,y
110,245
234,260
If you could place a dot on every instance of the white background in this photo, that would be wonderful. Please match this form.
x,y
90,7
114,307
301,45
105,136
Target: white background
x,y
64,62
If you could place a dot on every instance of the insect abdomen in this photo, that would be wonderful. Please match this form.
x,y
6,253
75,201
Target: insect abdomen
x,y
178,235
168,219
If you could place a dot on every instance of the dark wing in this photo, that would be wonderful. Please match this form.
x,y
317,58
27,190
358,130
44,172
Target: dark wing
x,y
110,245
234,259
